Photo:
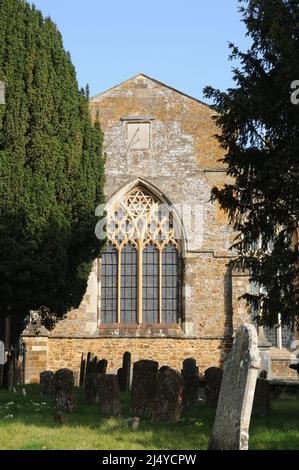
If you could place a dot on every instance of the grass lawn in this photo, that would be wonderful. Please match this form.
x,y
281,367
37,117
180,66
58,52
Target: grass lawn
x,y
27,423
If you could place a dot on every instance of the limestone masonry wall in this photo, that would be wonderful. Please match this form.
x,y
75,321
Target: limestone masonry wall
x,y
182,164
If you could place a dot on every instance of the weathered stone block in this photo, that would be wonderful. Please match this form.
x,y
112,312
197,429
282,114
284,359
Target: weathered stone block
x,y
168,400
143,387
46,383
108,393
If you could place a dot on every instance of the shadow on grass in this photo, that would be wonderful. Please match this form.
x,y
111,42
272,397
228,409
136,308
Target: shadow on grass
x,y
88,428
34,410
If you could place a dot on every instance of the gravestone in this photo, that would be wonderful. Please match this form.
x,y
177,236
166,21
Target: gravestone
x,y
124,372
82,371
121,379
263,374
262,398
102,366
189,367
143,387
213,376
46,383
194,388
63,381
168,400
230,430
10,372
108,393
90,388
63,384
2,361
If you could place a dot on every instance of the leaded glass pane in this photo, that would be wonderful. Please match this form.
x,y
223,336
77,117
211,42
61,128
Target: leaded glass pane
x,y
150,289
109,285
169,284
128,285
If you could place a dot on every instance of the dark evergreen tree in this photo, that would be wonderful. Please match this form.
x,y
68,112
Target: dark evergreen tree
x,y
51,169
260,135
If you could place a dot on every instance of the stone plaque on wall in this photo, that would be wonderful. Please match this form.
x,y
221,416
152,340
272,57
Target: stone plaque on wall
x,y
138,135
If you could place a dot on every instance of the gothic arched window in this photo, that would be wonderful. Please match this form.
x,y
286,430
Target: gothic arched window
x,y
140,265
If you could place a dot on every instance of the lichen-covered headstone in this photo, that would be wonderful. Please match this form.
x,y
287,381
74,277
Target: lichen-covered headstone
x,y
108,393
46,383
64,390
213,376
143,387
231,426
168,401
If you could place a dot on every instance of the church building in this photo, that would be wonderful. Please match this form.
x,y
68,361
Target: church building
x,y
162,288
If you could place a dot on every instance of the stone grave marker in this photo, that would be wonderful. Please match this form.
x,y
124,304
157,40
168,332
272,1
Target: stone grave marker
x,y
262,398
143,388
231,426
82,371
64,390
124,372
168,400
108,393
10,371
90,388
213,376
46,383
102,366
194,388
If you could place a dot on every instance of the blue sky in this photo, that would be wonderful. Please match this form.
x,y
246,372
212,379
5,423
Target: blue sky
x,y
181,43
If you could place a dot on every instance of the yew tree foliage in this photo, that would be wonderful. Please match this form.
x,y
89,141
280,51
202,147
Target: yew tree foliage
x,y
51,169
259,131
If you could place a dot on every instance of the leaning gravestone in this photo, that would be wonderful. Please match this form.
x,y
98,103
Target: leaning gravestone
x,y
46,383
108,394
2,361
230,430
213,376
169,396
63,385
143,388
